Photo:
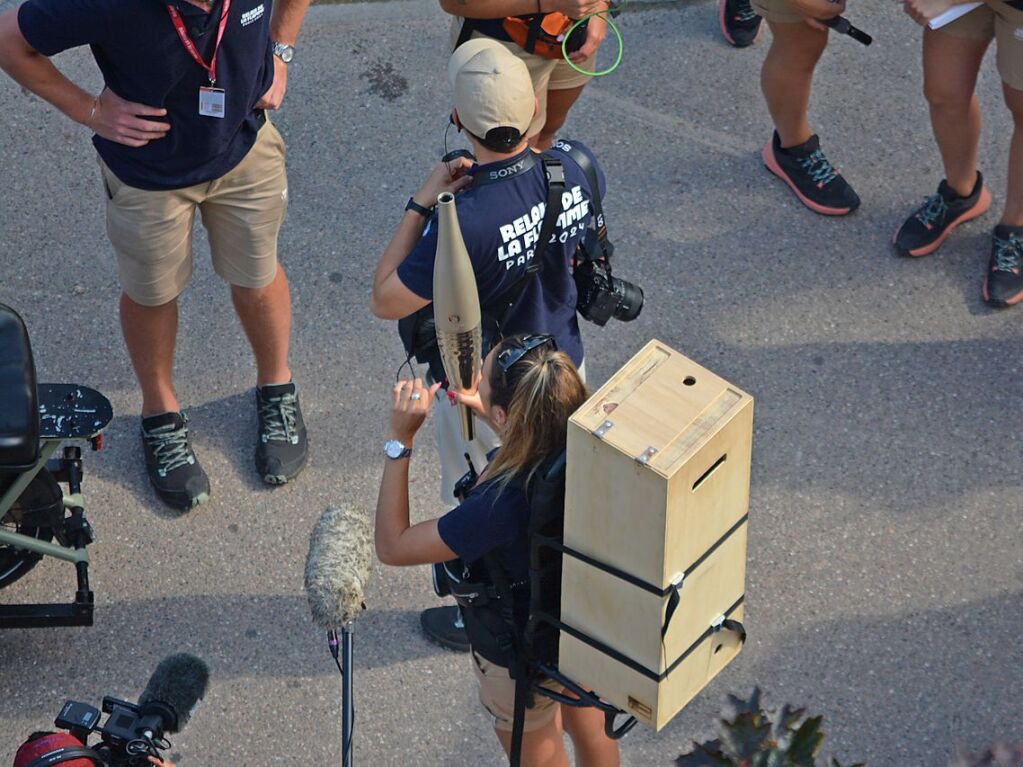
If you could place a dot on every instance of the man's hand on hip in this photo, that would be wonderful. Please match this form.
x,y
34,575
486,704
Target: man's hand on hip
x,y
122,121
272,98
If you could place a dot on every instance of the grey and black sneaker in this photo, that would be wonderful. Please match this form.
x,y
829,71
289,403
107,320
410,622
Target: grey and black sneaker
x,y
740,24
1003,285
924,231
282,448
173,469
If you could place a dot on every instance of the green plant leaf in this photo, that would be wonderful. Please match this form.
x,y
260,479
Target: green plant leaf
x,y
806,742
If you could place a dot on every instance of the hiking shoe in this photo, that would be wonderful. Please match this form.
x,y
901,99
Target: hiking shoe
x,y
1003,285
173,469
927,228
740,24
816,182
282,448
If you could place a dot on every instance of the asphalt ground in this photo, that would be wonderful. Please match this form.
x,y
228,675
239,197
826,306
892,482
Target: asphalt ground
x,y
885,560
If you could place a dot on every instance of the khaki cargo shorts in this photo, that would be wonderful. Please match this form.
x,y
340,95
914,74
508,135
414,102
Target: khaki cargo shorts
x,y
547,74
778,11
497,694
242,211
999,21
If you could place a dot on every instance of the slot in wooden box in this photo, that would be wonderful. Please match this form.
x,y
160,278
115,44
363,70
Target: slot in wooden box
x,y
657,492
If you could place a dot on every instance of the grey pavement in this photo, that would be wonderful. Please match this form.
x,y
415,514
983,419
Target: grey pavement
x,y
885,562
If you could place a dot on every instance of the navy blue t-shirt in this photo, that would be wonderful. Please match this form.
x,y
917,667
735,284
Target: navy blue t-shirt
x,y
143,60
500,224
490,520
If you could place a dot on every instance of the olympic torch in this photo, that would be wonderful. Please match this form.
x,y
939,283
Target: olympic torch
x,y
456,307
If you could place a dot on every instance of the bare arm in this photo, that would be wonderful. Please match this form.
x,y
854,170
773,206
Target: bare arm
x,y
108,114
36,72
398,542
497,9
390,299
284,28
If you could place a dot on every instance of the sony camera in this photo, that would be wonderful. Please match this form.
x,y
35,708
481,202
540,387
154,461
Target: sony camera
x,y
601,295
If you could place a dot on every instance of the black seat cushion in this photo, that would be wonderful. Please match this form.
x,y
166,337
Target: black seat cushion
x,y
19,410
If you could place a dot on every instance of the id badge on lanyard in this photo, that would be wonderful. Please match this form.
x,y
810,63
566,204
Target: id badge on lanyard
x,y
212,100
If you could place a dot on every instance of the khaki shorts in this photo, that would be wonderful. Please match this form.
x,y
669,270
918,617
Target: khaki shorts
x,y
497,695
996,21
547,74
242,211
778,11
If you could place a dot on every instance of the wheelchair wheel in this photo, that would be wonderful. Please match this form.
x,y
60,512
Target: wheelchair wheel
x,y
15,562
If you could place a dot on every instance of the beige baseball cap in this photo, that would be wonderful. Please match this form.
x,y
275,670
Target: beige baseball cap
x,y
492,87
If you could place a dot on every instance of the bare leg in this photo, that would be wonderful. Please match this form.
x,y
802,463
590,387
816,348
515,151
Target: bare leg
x,y
558,104
150,333
1013,215
265,314
951,65
544,747
592,747
787,76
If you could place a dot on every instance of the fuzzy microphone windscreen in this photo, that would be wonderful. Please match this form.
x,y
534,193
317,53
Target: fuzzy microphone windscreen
x,y
174,689
337,568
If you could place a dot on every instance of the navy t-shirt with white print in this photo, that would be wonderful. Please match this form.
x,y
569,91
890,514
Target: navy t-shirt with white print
x,y
500,223
143,60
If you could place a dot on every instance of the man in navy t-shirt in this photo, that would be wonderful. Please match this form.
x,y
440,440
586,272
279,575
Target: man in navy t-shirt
x,y
500,205
180,125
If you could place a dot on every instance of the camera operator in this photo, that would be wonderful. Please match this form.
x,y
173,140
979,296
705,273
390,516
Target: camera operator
x,y
499,214
556,83
527,391
45,744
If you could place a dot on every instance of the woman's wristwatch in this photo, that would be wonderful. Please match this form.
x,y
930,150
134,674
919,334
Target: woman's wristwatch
x,y
395,450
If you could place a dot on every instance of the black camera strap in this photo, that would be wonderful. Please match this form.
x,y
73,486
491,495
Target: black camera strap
x,y
579,158
554,172
66,754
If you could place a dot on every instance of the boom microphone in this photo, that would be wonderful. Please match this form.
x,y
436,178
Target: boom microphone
x,y
337,568
175,688
336,572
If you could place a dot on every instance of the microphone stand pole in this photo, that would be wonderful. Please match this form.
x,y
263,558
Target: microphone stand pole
x,y
347,706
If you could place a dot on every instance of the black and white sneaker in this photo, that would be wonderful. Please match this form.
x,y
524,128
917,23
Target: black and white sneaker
x,y
1003,285
740,24
815,181
173,469
282,448
924,231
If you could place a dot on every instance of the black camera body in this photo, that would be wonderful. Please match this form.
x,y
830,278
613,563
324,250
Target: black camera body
x,y
129,736
601,295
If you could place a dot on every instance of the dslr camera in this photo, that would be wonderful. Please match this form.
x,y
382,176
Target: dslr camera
x,y
601,294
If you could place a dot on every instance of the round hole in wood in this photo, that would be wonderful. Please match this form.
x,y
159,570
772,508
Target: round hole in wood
x,y
688,380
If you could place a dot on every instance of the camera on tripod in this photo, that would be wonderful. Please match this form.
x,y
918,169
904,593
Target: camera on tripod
x,y
132,732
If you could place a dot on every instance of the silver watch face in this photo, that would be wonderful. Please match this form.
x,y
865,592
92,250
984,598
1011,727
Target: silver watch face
x,y
393,448
285,52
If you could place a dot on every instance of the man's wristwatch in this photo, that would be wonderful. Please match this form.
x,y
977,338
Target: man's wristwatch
x,y
417,208
394,450
284,52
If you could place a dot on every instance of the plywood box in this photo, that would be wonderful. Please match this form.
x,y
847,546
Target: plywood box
x,y
657,491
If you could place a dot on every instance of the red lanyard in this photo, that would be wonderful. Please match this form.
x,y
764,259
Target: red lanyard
x,y
179,26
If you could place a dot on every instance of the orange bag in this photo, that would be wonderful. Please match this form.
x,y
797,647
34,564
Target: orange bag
x,y
542,35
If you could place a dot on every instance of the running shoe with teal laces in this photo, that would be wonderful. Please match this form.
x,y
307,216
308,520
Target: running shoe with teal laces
x,y
173,469
814,180
282,447
740,24
925,231
1003,285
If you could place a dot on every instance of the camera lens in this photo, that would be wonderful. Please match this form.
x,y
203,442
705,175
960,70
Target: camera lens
x,y
630,299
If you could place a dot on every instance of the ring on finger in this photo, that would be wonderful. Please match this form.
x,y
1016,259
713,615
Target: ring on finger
x,y
415,396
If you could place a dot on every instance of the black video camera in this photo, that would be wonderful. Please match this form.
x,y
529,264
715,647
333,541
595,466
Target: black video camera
x,y
132,732
601,295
